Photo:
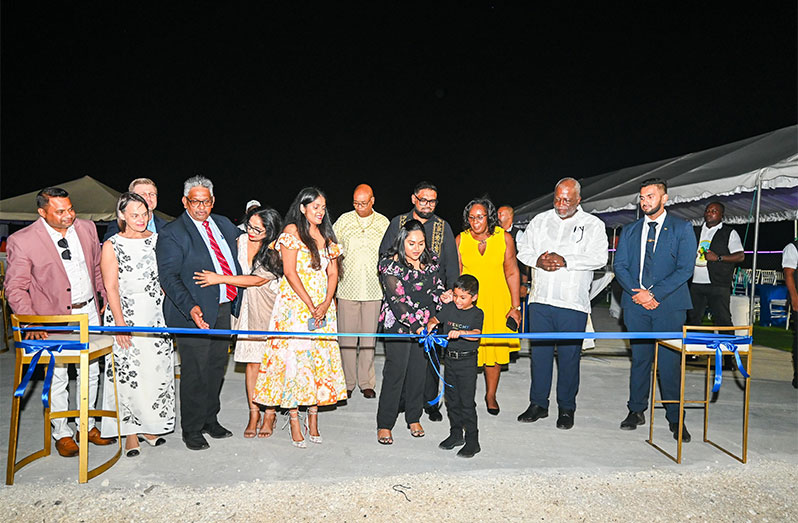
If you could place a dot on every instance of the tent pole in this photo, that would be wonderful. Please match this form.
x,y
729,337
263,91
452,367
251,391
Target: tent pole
x,y
614,235
756,248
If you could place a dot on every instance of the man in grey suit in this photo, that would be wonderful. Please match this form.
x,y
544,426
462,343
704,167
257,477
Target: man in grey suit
x,y
653,263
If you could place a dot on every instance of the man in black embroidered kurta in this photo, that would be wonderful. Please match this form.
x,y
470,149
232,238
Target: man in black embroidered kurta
x,y
440,242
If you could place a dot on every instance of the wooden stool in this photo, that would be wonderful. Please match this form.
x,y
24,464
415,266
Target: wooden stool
x,y
98,346
701,350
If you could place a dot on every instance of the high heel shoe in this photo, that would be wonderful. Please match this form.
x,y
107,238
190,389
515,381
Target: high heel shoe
x,y
313,411
293,416
267,425
154,442
251,433
492,411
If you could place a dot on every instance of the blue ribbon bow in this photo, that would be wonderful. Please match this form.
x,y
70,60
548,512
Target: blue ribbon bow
x,y
429,340
38,347
721,343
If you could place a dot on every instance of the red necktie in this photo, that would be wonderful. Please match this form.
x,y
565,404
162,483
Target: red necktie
x,y
232,291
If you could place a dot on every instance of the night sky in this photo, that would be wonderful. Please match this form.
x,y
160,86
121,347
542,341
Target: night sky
x,y
497,98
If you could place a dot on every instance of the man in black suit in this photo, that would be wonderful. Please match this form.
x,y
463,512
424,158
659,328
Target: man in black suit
x,y
195,241
145,188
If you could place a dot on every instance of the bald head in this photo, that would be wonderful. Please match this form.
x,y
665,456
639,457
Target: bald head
x,y
506,214
363,200
567,195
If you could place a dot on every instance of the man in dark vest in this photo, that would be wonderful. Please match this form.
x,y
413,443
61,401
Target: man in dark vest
x,y
440,242
789,262
719,249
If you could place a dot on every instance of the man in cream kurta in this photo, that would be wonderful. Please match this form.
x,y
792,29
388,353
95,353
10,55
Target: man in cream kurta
x,y
359,291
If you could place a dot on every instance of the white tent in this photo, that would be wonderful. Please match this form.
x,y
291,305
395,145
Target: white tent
x,y
729,173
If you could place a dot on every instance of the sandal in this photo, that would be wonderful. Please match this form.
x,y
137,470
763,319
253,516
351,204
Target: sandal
x,y
252,432
416,433
385,440
313,411
267,424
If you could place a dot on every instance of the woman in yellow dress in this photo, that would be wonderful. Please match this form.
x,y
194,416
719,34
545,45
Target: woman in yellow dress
x,y
487,252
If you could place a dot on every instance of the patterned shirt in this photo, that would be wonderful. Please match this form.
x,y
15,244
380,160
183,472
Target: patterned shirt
x,y
360,238
412,296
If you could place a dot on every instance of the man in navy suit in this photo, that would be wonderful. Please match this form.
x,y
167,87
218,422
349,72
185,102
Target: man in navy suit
x,y
145,188
195,241
653,263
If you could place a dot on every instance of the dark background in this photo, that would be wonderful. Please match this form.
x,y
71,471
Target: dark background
x,y
497,98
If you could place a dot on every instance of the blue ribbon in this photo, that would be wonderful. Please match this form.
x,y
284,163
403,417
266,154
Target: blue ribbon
x,y
720,343
38,347
429,340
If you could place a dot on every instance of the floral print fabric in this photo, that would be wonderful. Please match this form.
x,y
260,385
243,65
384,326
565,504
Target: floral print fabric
x,y
412,296
301,370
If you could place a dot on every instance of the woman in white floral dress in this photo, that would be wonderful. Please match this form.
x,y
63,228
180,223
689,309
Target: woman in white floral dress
x,y
144,365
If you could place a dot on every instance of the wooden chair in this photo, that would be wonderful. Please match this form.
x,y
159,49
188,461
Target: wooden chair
x,y
701,350
98,346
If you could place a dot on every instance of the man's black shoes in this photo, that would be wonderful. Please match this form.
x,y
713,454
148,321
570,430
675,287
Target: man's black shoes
x,y
454,440
674,428
533,413
216,431
195,441
634,419
565,419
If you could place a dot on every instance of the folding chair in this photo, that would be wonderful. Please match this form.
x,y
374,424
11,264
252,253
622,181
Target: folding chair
x,y
93,347
701,350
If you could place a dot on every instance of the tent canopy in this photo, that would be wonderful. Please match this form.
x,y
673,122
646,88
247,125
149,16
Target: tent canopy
x,y
93,201
727,173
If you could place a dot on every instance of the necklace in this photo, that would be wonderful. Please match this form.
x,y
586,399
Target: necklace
x,y
370,223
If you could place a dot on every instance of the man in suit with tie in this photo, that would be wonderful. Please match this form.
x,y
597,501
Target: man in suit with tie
x,y
196,241
653,263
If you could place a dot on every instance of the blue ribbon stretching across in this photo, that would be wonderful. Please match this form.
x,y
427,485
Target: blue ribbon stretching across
x,y
38,347
721,343
429,340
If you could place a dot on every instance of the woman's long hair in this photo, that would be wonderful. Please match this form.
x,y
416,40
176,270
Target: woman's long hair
x,y
267,258
296,217
398,247
126,199
490,209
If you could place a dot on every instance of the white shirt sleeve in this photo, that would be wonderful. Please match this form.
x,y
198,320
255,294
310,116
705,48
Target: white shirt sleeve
x,y
789,257
525,244
735,245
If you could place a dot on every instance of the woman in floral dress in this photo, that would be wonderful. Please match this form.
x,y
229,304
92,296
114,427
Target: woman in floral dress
x,y
304,371
144,366
412,295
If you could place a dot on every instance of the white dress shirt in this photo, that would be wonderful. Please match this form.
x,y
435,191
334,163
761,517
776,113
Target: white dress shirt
x,y
76,268
226,252
581,240
644,236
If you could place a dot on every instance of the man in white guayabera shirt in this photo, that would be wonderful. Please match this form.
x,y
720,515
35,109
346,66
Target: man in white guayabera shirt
x,y
563,246
54,268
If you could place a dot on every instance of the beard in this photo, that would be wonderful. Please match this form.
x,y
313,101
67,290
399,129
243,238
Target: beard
x,y
424,215
653,210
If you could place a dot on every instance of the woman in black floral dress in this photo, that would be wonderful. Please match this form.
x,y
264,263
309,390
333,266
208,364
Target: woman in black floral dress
x,y
412,295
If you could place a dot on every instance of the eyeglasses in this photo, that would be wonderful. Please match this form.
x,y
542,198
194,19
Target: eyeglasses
x,y
424,201
361,204
200,203
256,230
150,194
476,217
65,254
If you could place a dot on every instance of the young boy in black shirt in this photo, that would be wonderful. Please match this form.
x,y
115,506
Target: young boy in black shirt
x,y
458,319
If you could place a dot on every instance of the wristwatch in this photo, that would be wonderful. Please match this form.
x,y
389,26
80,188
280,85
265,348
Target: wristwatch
x,y
720,258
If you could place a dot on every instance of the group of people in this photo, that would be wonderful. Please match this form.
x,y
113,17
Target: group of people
x,y
362,274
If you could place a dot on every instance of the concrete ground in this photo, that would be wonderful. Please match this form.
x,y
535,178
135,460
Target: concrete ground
x,y
595,453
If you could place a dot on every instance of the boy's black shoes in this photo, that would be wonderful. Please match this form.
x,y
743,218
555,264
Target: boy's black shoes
x,y
469,450
454,440
434,413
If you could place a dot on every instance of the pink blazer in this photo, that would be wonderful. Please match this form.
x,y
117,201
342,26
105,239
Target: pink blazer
x,y
36,282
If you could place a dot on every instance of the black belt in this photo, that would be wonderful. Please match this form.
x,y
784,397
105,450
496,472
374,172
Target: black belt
x,y
459,355
82,304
